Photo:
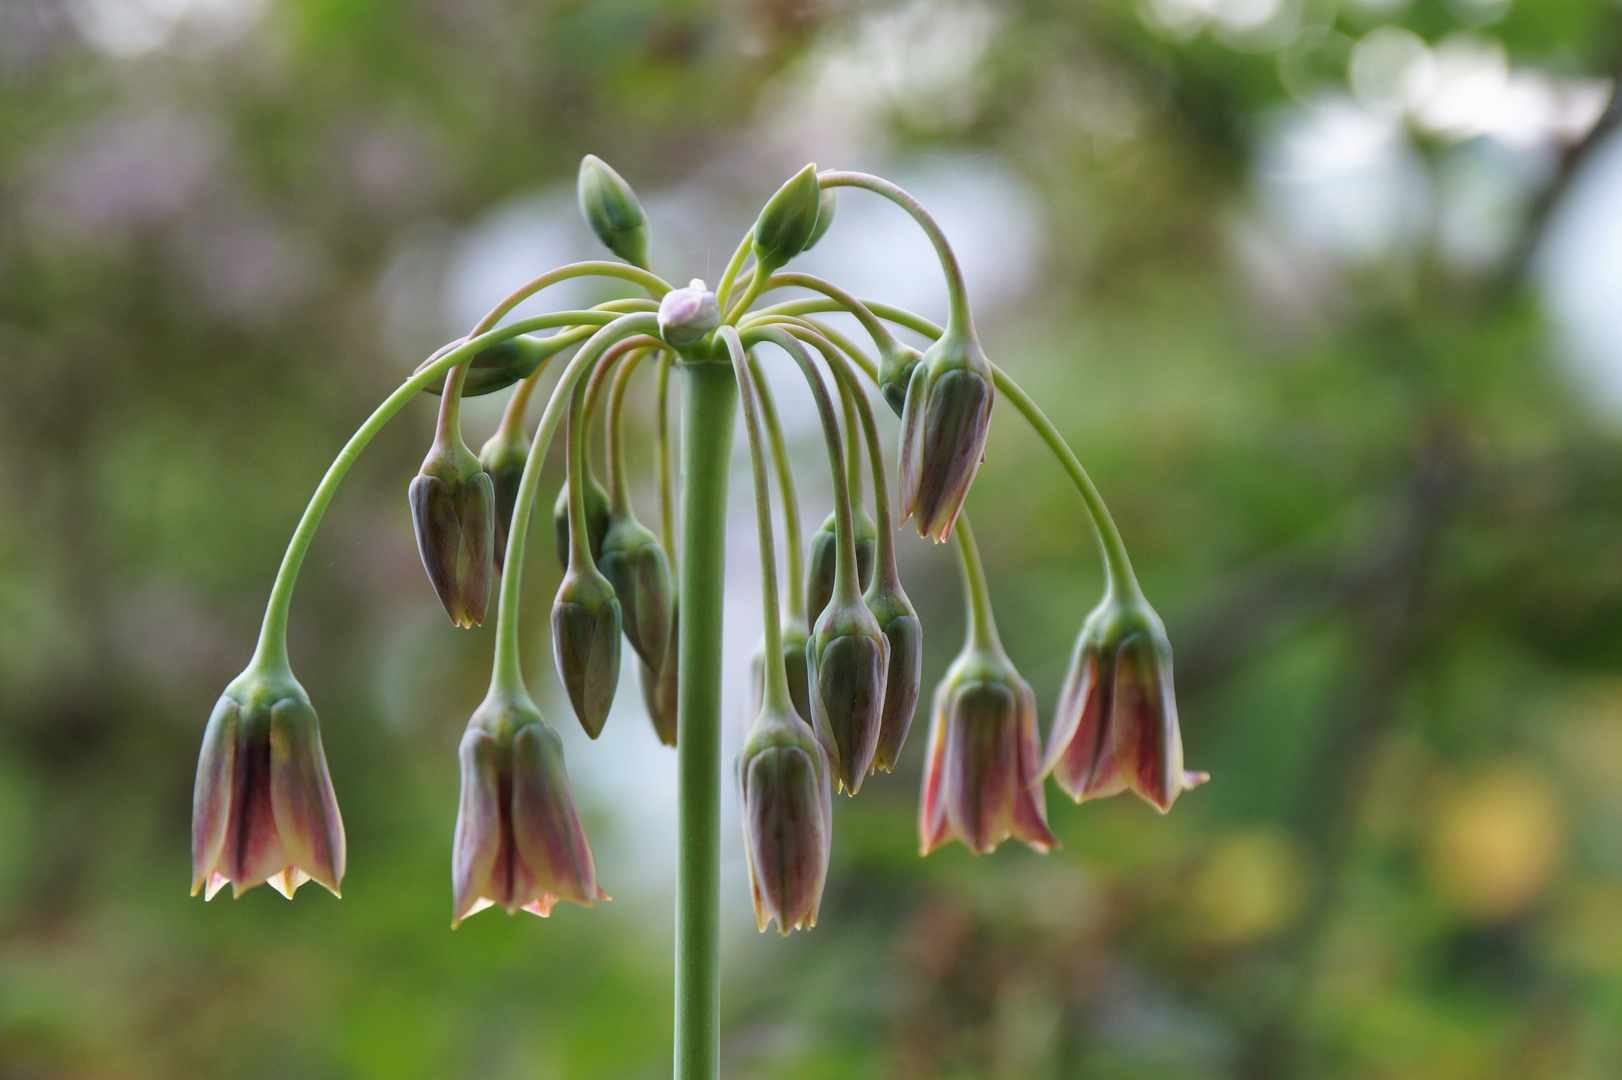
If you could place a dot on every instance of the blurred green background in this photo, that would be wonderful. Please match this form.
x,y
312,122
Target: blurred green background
x,y
1328,296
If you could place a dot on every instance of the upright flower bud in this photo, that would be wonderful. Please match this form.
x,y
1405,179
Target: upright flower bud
x,y
827,206
896,364
823,564
659,687
686,315
519,842
636,565
263,808
902,629
846,663
944,424
503,458
586,643
453,510
785,796
501,365
794,666
788,221
982,766
1116,726
611,208
599,516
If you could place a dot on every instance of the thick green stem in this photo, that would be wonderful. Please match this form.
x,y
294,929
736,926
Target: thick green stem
x,y
272,647
776,698
847,584
709,404
785,485
957,293
976,596
507,673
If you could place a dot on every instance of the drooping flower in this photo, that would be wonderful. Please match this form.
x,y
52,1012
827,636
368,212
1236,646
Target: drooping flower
x,y
635,563
453,511
944,424
823,559
901,627
263,808
519,842
982,765
785,794
1116,726
847,660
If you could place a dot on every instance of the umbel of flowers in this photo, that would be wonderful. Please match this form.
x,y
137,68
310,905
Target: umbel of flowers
x,y
836,681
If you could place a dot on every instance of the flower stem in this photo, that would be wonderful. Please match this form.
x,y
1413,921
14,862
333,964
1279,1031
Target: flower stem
x,y
976,596
785,484
507,674
709,403
667,494
957,292
619,487
271,650
847,584
776,697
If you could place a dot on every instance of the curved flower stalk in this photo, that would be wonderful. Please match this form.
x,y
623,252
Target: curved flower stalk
x,y
834,700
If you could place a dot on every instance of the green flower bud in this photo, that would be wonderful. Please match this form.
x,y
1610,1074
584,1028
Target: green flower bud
x,y
823,563
599,516
788,221
944,425
847,660
1116,726
659,687
784,794
519,842
611,208
982,779
453,511
502,364
686,315
586,644
263,808
794,665
503,457
896,364
827,205
901,627
636,565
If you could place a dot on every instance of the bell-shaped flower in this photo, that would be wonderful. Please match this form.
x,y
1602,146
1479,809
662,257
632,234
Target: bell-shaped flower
x,y
824,559
263,808
788,222
847,660
635,563
503,457
586,624
502,364
453,511
982,765
687,315
944,425
785,795
1116,726
519,842
612,210
899,624
897,361
599,516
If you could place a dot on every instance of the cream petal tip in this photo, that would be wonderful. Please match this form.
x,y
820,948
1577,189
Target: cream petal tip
x,y
216,882
1193,780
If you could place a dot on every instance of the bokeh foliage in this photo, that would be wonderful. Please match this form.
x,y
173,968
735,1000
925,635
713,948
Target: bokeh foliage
x,y
1386,538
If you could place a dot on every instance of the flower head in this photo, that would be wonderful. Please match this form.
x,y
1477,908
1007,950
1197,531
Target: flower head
x,y
599,516
823,563
788,222
586,625
686,315
794,638
519,842
982,764
263,808
897,361
783,789
847,660
1116,726
633,561
611,208
944,424
453,510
